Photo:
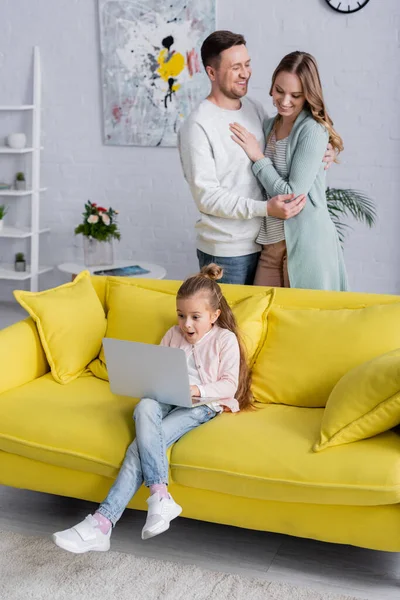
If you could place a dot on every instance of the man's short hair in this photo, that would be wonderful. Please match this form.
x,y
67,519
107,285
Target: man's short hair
x,y
217,42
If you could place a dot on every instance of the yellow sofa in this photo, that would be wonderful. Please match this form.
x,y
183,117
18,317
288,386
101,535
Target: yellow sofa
x,y
255,470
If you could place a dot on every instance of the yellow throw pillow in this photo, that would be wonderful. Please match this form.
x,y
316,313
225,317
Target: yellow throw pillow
x,y
143,315
251,317
307,351
135,314
71,325
365,402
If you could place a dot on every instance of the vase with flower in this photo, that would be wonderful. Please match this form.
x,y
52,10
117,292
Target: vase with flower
x,y
99,229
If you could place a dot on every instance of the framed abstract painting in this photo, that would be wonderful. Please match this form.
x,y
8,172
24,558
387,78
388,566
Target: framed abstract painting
x,y
152,75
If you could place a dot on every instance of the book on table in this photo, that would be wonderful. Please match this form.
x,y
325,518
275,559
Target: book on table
x,y
122,271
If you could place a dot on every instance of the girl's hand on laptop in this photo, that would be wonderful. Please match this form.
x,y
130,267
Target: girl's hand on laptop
x,y
247,141
194,391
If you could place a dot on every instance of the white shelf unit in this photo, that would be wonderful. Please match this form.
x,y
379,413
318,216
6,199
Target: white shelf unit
x,y
33,233
19,192
8,272
21,107
5,150
19,232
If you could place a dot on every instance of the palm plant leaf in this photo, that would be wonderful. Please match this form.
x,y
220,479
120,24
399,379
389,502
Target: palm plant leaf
x,y
341,228
346,202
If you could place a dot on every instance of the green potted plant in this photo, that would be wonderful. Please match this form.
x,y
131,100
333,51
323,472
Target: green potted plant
x,y
3,212
20,262
348,202
20,183
99,228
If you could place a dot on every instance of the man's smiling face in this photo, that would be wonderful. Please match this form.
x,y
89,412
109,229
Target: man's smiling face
x,y
232,73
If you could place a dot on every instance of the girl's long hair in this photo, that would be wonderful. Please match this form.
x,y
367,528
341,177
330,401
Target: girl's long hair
x,y
305,67
206,282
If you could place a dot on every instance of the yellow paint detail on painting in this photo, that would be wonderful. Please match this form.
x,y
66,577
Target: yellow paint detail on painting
x,y
172,67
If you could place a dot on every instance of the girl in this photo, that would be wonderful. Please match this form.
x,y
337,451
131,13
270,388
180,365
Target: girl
x,y
303,251
207,332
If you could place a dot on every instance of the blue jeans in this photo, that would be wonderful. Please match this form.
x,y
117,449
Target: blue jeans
x,y
158,426
237,269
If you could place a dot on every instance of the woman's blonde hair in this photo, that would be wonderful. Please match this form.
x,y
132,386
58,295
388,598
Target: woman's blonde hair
x,y
305,67
206,282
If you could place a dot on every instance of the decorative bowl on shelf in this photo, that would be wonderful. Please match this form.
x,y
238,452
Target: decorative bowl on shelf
x,y
5,186
17,141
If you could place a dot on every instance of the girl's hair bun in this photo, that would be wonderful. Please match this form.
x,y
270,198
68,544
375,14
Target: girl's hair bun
x,y
212,271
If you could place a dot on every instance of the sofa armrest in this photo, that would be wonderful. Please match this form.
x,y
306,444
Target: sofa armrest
x,y
22,358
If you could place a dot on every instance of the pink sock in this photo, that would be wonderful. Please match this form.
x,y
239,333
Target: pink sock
x,y
104,523
161,488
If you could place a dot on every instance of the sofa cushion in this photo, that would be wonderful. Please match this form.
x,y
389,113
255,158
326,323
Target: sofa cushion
x,y
365,402
71,323
143,315
267,454
81,425
307,351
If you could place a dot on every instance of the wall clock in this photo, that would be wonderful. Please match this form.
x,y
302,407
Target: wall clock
x,y
347,6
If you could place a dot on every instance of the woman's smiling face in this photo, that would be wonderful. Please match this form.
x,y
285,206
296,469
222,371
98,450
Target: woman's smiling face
x,y
288,95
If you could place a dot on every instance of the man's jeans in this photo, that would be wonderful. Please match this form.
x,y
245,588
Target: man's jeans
x,y
158,426
237,269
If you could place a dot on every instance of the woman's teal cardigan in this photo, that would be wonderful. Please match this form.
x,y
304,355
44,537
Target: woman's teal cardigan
x,y
315,257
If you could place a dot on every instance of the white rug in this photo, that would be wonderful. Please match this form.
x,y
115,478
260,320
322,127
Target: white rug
x,y
32,568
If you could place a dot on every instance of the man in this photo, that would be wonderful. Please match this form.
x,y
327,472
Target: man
x,y
228,196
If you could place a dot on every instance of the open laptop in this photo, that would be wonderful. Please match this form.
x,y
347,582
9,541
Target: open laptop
x,y
148,371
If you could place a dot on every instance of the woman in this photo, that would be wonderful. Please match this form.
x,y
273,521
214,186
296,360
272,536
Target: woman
x,y
303,251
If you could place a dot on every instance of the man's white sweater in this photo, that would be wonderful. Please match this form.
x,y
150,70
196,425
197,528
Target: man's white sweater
x,y
218,171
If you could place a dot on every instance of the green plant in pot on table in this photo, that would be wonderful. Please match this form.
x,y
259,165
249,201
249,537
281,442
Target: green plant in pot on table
x,y
99,229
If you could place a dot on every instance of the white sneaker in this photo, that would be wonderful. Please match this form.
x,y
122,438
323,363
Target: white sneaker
x,y
160,513
83,537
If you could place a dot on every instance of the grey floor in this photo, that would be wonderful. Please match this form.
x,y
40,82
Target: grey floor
x,y
326,567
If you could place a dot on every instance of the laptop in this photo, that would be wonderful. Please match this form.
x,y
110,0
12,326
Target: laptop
x,y
148,371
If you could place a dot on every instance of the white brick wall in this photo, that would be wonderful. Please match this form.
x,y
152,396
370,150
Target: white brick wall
x,y
358,57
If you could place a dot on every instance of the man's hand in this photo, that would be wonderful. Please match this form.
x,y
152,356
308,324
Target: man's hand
x,y
194,391
247,141
330,156
285,206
